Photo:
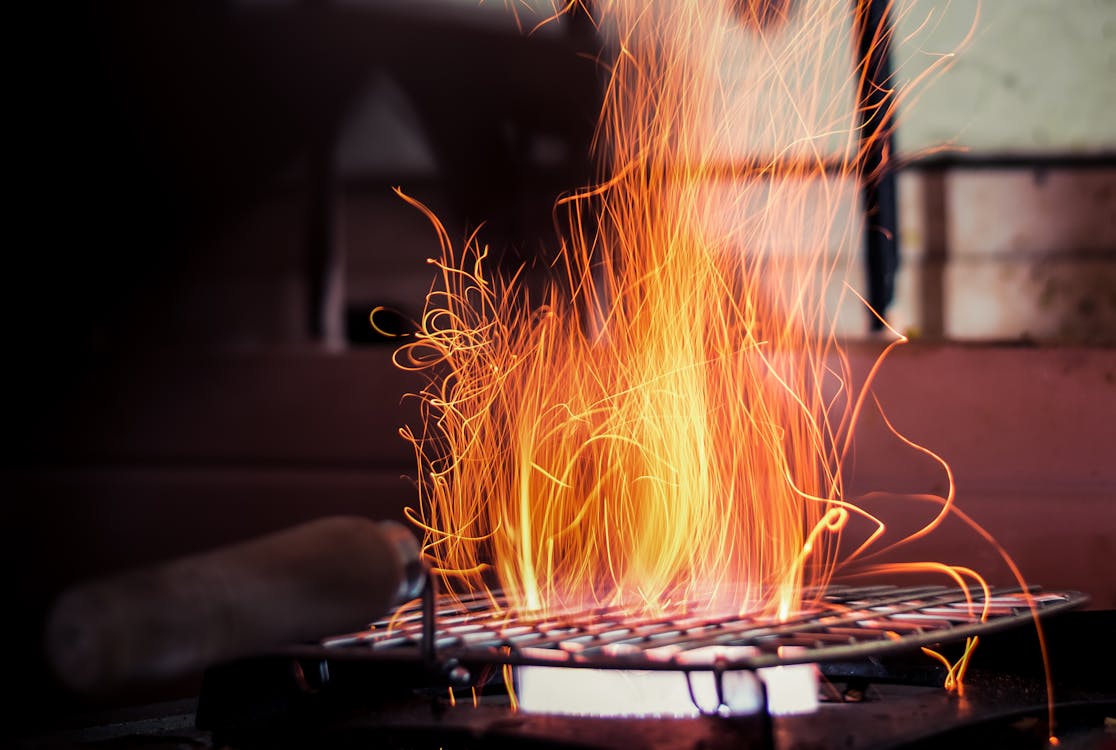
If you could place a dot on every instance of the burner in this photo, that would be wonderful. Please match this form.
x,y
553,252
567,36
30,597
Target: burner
x,y
390,681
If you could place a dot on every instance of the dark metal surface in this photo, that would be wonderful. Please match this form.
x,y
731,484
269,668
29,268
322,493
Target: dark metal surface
x,y
890,717
1000,710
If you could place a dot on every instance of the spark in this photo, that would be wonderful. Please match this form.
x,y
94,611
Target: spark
x,y
673,418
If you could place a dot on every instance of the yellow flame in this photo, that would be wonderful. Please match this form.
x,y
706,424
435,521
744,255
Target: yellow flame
x,y
670,422
661,426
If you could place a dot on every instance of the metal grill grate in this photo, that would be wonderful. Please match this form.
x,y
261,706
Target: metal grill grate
x,y
847,624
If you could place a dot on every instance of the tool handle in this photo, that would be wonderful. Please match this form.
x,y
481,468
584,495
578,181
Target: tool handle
x,y
157,624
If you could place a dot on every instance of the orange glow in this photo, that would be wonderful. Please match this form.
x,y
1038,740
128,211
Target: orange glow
x,y
670,421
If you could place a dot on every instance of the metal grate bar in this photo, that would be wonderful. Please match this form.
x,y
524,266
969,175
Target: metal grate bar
x,y
841,623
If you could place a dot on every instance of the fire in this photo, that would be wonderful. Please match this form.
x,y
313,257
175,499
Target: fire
x,y
670,422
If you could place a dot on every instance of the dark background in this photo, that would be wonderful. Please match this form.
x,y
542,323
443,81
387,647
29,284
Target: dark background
x,y
187,362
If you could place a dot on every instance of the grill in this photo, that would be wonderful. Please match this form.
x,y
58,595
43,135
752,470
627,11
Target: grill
x,y
846,623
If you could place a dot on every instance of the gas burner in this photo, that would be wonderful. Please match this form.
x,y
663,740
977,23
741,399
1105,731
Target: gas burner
x,y
437,674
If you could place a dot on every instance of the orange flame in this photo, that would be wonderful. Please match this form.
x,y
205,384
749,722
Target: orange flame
x,y
671,422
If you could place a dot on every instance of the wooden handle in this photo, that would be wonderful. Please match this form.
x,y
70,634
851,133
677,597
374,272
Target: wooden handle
x,y
146,626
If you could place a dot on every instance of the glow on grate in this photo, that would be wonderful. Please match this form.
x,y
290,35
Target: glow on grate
x,y
612,661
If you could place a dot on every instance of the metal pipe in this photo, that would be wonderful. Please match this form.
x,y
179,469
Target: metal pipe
x,y
876,99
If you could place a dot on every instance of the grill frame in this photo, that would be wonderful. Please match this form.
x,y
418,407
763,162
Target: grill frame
x,y
442,637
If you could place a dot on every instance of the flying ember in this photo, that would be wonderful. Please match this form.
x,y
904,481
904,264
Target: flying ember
x,y
669,423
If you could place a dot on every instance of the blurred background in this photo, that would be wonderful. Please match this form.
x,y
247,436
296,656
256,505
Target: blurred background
x,y
204,221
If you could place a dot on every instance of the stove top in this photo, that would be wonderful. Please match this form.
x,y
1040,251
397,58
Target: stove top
x,y
389,686
434,676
